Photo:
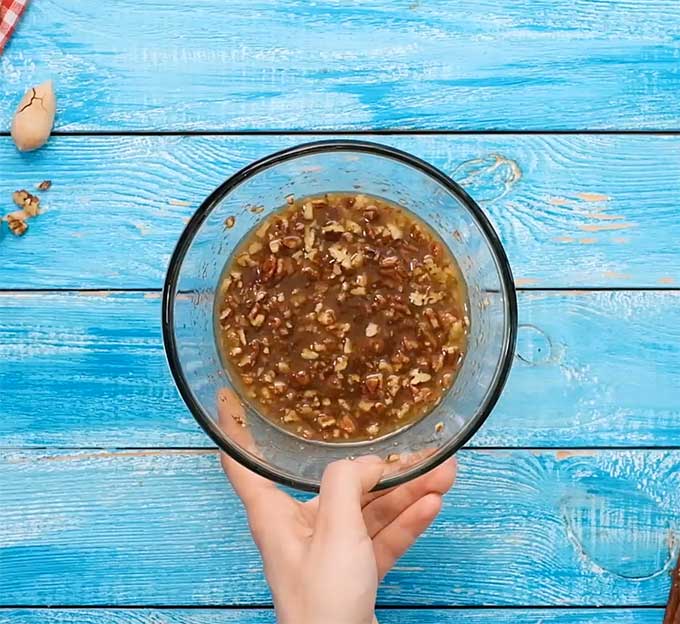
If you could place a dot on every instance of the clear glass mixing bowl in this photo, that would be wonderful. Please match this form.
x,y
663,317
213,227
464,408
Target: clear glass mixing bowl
x,y
206,244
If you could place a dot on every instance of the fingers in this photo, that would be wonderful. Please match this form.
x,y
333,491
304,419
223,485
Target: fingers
x,y
342,487
396,538
249,486
383,510
404,462
408,460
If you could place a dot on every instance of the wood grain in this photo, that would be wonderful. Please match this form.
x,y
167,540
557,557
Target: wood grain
x,y
88,369
260,64
672,613
565,528
573,211
386,616
161,527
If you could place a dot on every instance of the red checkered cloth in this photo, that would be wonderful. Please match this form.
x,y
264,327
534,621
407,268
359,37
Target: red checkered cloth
x,y
10,13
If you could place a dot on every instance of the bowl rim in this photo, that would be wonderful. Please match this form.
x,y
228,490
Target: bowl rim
x,y
291,153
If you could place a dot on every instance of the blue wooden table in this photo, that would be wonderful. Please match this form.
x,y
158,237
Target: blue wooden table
x,y
562,117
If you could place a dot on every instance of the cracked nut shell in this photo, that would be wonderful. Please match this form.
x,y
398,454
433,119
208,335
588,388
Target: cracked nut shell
x,y
34,118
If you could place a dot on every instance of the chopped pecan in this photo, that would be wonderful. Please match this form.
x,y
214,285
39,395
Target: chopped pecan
x,y
372,330
347,424
393,385
28,202
418,298
417,377
17,226
373,429
291,416
371,213
330,291
365,406
390,262
326,317
301,379
308,354
332,230
325,421
292,242
341,256
395,231
374,383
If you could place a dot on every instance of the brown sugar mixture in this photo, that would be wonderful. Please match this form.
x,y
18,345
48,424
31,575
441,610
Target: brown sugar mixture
x,y
342,317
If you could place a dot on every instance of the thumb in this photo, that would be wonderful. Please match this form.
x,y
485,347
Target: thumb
x,y
343,485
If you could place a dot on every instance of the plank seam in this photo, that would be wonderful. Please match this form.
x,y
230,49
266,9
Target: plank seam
x,y
373,131
379,606
557,289
540,449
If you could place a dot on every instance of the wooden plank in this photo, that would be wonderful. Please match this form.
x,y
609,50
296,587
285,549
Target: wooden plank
x,y
593,369
159,527
104,355
386,616
406,64
573,211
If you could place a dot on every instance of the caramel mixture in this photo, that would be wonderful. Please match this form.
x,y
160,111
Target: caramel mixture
x,y
342,317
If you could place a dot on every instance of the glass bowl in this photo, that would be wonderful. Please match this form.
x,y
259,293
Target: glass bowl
x,y
313,168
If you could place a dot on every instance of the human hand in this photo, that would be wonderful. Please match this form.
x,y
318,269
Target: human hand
x,y
323,559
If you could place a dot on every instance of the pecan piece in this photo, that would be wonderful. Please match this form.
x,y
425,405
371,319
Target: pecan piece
x,y
374,383
347,424
17,226
417,377
292,242
308,354
332,230
326,317
372,330
373,429
390,262
267,269
325,421
300,379
28,202
370,213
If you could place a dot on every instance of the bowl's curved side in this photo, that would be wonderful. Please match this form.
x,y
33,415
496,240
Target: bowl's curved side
x,y
219,194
